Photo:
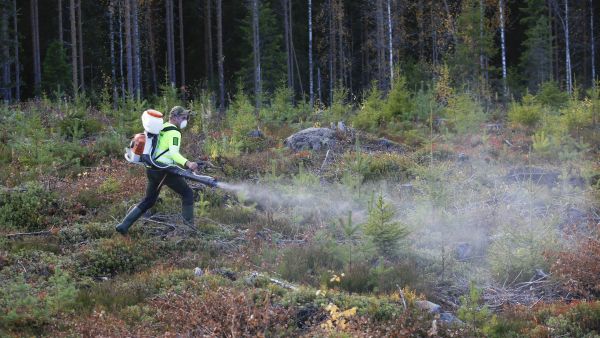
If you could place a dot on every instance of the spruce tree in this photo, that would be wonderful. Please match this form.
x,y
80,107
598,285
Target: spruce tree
x,y
56,70
536,60
383,230
272,54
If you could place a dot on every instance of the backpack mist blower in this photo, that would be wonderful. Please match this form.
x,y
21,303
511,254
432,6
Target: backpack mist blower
x,y
142,147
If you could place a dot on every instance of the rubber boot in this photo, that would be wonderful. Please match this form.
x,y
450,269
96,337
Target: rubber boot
x,y
187,211
131,217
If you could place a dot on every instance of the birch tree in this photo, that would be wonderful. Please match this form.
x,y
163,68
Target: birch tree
x,y
74,64
181,45
208,52
152,45
137,64
113,72
6,76
310,56
35,35
128,48
16,47
390,39
60,23
170,42
80,43
256,52
220,59
592,43
503,46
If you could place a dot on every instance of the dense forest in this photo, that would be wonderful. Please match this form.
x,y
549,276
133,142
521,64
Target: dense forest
x,y
498,49
357,168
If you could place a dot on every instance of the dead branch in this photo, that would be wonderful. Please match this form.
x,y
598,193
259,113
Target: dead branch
x,y
24,234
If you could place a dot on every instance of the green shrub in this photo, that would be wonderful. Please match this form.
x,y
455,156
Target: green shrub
x,y
383,230
518,250
370,116
340,108
282,108
109,256
551,96
464,113
22,306
307,262
109,145
399,103
528,113
473,313
29,207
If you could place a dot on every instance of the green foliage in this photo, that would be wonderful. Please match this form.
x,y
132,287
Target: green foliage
x,y
282,108
30,207
28,306
340,109
109,144
383,230
308,262
473,313
528,113
475,36
551,96
464,113
536,60
110,256
518,250
399,103
75,125
56,73
370,115
272,57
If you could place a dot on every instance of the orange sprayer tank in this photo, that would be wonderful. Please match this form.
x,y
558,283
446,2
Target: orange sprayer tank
x,y
138,144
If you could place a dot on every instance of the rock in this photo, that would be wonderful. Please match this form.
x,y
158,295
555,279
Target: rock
x,y
231,275
256,133
449,318
198,272
311,138
463,251
341,126
428,306
462,157
533,174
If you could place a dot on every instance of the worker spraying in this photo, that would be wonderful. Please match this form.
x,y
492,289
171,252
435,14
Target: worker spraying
x,y
158,150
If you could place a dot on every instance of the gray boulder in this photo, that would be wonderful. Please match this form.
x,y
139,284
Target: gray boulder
x,y
311,139
463,251
448,318
428,306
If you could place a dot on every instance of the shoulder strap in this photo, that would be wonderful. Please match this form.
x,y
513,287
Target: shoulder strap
x,y
169,128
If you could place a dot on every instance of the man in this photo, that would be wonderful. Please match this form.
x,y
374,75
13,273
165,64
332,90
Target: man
x,y
167,152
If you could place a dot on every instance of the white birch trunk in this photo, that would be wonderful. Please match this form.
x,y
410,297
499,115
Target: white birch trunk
x,y
503,47
80,43
17,60
390,40
181,44
128,49
220,59
256,52
137,64
37,73
592,43
113,72
310,56
60,24
74,48
567,50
